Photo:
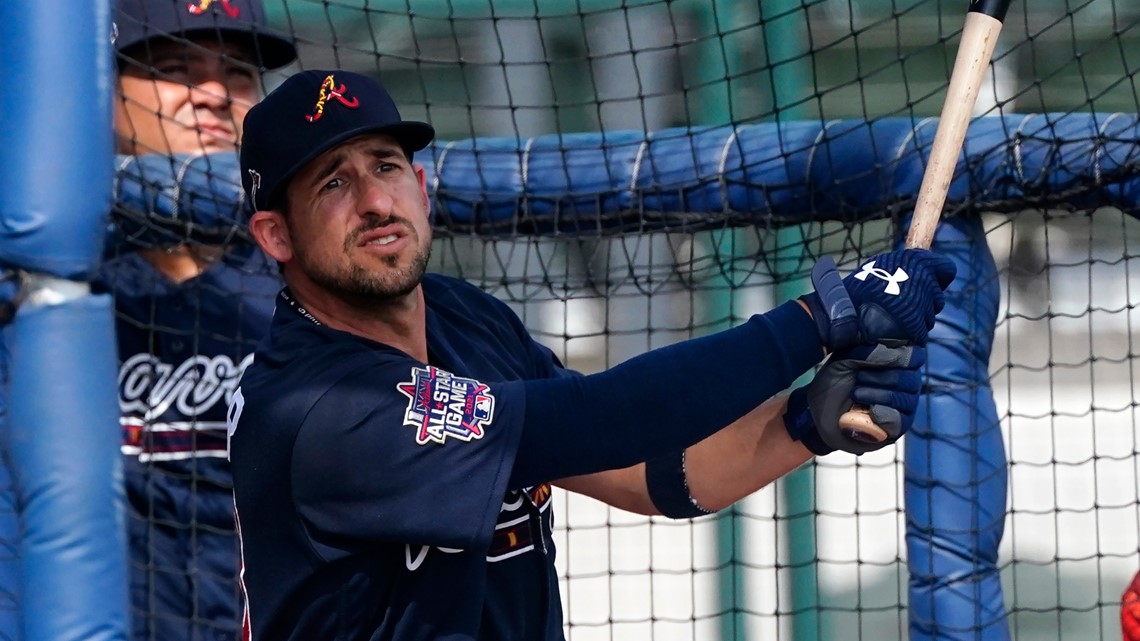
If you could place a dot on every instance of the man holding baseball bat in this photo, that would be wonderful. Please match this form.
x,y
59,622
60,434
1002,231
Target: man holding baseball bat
x,y
395,440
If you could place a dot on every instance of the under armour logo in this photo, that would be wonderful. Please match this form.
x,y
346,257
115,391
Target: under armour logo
x,y
329,90
893,280
201,6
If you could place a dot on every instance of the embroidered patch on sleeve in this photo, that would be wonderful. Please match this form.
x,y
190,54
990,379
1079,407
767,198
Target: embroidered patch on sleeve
x,y
442,405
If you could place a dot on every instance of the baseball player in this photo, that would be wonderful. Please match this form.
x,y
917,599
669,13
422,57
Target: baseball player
x,y
395,440
188,313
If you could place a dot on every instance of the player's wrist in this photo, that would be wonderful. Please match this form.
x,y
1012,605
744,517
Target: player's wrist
x,y
801,426
830,307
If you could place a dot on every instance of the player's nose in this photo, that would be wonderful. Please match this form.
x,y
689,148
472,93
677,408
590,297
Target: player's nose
x,y
210,94
373,199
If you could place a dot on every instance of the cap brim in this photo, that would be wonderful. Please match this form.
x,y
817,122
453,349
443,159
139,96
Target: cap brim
x,y
411,135
273,50
269,49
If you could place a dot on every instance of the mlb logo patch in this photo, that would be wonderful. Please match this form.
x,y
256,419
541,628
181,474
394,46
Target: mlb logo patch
x,y
441,405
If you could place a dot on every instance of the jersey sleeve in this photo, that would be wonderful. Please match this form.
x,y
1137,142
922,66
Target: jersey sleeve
x,y
405,452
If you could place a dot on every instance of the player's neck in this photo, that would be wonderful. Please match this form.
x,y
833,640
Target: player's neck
x,y
400,323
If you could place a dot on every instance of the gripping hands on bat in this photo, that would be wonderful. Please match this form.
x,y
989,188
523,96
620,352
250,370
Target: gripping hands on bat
x,y
875,323
891,297
887,380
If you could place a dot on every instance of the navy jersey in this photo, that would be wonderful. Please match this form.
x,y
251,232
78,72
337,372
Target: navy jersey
x,y
371,488
182,349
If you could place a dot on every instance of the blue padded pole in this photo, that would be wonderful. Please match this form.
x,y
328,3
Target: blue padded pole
x,y
9,525
55,57
56,178
956,472
64,421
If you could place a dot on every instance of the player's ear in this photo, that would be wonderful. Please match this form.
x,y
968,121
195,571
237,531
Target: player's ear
x,y
268,228
422,177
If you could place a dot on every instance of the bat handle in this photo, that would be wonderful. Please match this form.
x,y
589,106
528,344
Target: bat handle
x,y
979,36
857,425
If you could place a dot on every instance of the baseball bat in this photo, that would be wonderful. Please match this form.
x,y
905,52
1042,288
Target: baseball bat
x,y
979,36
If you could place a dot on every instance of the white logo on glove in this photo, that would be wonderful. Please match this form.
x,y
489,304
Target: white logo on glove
x,y
893,280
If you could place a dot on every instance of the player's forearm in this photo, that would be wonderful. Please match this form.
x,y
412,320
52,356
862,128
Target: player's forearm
x,y
662,401
722,469
624,489
743,457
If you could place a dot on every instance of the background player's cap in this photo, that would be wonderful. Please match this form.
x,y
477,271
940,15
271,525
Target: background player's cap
x,y
310,113
238,21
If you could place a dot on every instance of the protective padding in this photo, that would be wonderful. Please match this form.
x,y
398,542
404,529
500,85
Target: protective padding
x,y
64,436
55,101
956,473
692,179
62,424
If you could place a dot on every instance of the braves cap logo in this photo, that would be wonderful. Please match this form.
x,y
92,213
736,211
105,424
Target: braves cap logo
x,y
441,404
893,280
330,90
202,6
254,185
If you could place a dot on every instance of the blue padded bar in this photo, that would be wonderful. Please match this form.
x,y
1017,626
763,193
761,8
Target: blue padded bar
x,y
693,179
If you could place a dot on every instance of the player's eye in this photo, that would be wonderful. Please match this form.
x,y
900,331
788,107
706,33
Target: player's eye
x,y
172,71
240,71
332,184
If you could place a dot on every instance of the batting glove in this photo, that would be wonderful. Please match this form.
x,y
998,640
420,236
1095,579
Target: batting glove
x,y
1130,611
891,296
885,379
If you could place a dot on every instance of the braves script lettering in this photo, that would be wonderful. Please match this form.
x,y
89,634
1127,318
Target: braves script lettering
x,y
150,387
516,532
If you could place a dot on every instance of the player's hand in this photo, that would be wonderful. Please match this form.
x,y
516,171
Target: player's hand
x,y
885,379
1130,611
895,295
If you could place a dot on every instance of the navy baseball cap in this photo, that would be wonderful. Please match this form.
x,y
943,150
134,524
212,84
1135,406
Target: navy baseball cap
x,y
310,113
238,21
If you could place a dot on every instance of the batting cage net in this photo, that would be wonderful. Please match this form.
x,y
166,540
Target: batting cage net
x,y
626,174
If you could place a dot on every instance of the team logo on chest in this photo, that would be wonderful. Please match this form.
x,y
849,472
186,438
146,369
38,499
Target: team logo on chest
x,y
442,405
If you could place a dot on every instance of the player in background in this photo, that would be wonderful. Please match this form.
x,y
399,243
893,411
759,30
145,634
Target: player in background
x,y
188,311
395,440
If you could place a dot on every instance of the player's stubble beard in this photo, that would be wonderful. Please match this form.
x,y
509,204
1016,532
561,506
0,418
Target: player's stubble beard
x,y
369,288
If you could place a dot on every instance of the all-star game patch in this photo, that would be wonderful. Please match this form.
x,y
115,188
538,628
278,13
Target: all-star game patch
x,y
442,405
